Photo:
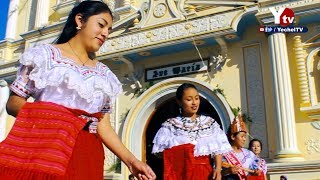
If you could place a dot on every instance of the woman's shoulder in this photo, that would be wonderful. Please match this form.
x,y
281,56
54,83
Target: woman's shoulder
x,y
42,47
248,152
172,121
205,117
35,54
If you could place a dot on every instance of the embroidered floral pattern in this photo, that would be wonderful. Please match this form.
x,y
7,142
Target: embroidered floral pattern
x,y
46,75
204,133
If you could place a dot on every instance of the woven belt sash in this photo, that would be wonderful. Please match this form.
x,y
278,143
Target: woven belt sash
x,y
42,138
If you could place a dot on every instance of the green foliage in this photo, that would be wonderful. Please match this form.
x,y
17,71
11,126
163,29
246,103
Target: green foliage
x,y
116,167
139,91
245,116
124,115
235,111
219,90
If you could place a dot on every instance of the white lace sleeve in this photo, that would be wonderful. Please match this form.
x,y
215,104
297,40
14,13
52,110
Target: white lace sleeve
x,y
162,139
22,85
215,142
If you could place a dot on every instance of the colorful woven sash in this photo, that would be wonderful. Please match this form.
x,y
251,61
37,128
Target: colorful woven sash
x,y
42,139
232,159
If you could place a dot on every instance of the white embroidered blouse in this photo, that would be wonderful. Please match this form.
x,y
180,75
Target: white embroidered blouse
x,y
47,76
204,132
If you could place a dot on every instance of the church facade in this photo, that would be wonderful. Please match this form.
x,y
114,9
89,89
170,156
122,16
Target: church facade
x,y
225,48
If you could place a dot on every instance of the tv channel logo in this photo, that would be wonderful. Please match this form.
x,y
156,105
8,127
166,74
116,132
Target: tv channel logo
x,y
284,16
283,20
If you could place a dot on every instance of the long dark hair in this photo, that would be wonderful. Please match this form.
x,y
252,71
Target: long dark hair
x,y
229,134
86,9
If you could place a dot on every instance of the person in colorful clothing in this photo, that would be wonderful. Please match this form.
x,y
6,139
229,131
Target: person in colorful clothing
x,y
190,140
60,134
255,145
240,163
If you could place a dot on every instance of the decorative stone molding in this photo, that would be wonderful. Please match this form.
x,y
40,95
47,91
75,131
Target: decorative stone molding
x,y
313,145
208,24
300,55
316,125
255,94
1,54
306,54
63,8
8,70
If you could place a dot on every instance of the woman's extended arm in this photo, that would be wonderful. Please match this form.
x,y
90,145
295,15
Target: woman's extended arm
x,y
218,167
113,142
14,104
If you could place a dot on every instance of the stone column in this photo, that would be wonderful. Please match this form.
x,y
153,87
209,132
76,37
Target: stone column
x,y
287,149
13,13
4,94
42,13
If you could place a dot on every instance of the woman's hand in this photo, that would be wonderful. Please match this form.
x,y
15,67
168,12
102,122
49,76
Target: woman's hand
x,y
141,170
235,169
256,172
216,174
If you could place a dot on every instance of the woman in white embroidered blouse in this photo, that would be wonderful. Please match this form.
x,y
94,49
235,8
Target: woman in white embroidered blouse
x,y
188,141
66,75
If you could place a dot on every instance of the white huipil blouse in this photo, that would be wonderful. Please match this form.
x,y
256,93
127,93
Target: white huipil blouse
x,y
47,76
204,132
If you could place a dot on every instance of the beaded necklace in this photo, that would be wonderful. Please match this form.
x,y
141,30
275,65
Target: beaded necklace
x,y
189,129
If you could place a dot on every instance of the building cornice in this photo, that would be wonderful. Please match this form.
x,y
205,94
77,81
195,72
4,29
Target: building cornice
x,y
8,68
46,30
274,168
211,25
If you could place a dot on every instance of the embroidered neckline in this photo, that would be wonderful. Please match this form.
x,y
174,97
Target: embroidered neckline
x,y
71,61
195,123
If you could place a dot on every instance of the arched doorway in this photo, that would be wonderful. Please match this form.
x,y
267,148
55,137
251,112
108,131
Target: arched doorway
x,y
162,94
169,109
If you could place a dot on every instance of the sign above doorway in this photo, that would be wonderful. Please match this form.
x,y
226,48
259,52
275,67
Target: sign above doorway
x,y
178,69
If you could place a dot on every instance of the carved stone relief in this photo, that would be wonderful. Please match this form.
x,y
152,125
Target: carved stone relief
x,y
313,145
316,125
255,94
167,33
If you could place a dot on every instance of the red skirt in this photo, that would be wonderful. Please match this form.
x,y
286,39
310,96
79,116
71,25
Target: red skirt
x,y
46,142
86,162
180,163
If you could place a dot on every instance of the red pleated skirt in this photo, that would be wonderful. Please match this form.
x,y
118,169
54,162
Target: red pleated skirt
x,y
86,162
47,142
181,164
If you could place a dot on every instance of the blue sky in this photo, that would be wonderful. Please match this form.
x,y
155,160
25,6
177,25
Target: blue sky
x,y
4,5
